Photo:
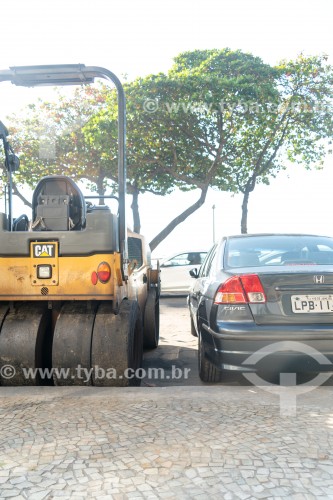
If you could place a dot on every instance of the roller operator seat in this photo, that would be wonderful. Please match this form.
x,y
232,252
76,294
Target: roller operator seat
x,y
58,205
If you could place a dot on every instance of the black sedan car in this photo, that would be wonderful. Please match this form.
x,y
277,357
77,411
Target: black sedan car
x,y
264,303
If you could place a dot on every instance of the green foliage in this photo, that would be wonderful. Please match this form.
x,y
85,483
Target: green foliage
x,y
201,124
50,140
218,118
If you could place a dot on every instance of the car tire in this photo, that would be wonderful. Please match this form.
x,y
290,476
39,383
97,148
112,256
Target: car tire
x,y
151,330
207,371
193,330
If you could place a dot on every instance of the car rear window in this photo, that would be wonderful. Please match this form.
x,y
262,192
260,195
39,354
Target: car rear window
x,y
275,250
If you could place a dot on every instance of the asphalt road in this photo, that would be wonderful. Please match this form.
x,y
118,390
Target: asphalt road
x,y
175,361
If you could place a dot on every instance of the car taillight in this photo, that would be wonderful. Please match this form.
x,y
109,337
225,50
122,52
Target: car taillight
x,y
104,272
230,292
253,288
240,289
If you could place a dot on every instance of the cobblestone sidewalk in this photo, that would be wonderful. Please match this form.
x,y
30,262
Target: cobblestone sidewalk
x,y
173,443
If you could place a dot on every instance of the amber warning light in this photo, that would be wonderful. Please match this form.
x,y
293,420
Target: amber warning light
x,y
103,273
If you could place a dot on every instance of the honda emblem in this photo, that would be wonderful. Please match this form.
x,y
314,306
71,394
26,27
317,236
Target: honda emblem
x,y
319,280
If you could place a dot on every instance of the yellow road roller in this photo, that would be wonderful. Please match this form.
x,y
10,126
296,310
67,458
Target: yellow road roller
x,y
79,299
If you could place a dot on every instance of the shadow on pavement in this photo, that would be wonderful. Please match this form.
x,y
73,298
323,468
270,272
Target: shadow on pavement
x,y
178,301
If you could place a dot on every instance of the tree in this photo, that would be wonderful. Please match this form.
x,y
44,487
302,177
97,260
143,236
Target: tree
x,y
218,118
226,119
296,127
178,135
191,128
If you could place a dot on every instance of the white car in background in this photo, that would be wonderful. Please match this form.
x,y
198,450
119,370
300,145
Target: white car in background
x,y
175,272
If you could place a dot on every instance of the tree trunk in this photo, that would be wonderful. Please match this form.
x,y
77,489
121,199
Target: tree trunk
x,y
249,188
177,220
100,188
250,185
135,211
244,212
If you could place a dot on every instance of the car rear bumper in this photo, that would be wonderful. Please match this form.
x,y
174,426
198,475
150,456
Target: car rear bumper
x,y
248,347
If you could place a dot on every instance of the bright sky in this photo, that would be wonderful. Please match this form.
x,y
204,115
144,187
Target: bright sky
x,y
136,38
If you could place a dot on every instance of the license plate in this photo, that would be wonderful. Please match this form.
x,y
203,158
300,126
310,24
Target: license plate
x,y
312,303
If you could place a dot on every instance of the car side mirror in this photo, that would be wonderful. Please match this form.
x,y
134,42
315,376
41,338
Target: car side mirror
x,y
194,273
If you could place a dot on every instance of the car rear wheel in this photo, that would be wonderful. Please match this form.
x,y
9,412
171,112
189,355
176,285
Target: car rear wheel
x,y
207,371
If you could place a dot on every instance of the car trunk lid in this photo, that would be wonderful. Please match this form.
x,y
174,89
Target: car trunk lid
x,y
295,296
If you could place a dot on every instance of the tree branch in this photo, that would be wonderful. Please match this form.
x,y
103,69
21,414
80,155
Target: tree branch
x,y
17,193
180,218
